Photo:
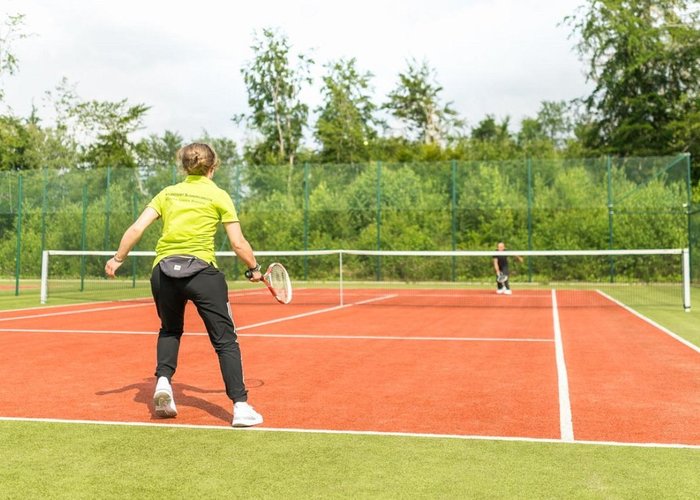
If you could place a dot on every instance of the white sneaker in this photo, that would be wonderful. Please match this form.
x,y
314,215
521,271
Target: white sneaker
x,y
163,399
500,291
244,415
508,291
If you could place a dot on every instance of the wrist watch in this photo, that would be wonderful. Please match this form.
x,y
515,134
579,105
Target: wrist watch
x,y
250,271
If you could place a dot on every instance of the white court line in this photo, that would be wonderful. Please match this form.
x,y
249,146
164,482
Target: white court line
x,y
565,418
312,313
301,336
56,306
94,332
651,322
76,311
388,337
109,308
468,437
289,335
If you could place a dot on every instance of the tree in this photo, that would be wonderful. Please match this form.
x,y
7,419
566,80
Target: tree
x,y
111,122
489,130
549,131
555,121
416,102
14,143
99,130
274,86
644,59
346,118
158,152
10,32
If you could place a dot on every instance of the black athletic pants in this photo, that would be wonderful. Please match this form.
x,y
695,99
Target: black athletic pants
x,y
209,293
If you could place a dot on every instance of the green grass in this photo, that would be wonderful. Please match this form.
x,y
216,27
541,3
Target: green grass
x,y
42,460
61,460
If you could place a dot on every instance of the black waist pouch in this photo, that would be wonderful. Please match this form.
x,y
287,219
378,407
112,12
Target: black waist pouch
x,y
182,266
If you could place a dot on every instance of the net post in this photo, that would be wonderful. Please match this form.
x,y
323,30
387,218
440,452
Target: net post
x,y
686,280
44,290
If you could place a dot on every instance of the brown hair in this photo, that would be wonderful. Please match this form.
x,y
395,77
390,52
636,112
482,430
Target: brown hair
x,y
197,158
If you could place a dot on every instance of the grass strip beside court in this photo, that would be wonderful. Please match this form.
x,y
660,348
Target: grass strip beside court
x,y
58,460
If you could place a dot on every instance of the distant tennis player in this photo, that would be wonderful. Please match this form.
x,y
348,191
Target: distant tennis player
x,y
500,265
185,269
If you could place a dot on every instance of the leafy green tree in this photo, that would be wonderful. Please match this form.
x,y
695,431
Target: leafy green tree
x,y
644,59
555,121
158,152
416,102
48,148
99,130
14,143
489,130
346,118
226,149
548,131
274,86
490,140
10,32
111,123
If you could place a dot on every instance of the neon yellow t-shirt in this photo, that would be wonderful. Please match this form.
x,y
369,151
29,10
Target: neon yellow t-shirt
x,y
191,212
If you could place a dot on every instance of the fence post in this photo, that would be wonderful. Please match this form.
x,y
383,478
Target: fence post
x,y
306,219
529,218
135,215
611,238
453,205
237,202
108,208
44,206
379,220
83,238
18,252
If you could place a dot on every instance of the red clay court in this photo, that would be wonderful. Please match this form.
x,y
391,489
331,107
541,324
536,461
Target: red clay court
x,y
526,366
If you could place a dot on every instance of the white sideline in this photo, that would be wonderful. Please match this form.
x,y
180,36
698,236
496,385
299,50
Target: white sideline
x,y
65,313
288,335
468,437
651,322
565,418
312,313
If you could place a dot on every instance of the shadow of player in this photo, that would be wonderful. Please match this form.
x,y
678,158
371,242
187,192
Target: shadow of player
x,y
184,396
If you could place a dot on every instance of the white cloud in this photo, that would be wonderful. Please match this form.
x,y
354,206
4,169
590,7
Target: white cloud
x,y
184,58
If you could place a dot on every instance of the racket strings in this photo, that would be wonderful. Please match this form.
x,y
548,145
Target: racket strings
x,y
279,281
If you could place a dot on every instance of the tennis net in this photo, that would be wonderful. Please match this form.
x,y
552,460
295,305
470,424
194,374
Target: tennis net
x,y
583,278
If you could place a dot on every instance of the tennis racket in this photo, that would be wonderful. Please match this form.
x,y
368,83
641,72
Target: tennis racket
x,y
277,281
502,277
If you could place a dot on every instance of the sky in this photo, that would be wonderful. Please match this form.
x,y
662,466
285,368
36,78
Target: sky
x,y
184,59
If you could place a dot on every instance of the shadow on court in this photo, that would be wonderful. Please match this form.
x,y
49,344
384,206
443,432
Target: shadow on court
x,y
185,396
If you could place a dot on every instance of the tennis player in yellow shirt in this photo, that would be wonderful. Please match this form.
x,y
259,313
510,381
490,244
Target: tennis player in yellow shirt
x,y
185,269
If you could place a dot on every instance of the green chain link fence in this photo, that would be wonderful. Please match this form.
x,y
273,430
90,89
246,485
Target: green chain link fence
x,y
605,203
